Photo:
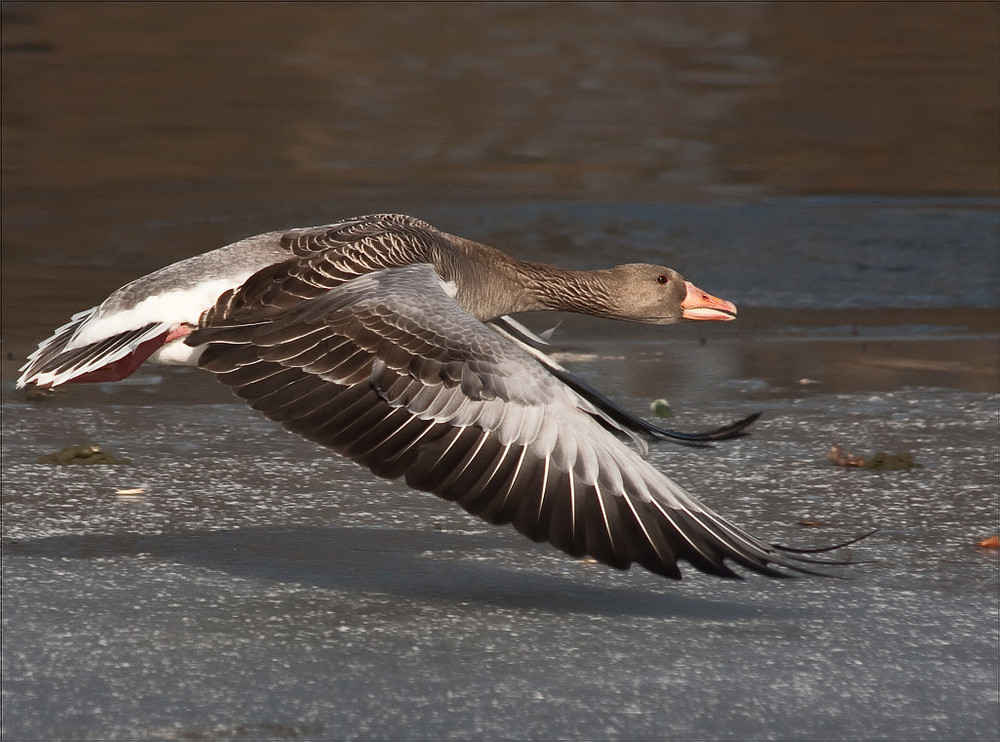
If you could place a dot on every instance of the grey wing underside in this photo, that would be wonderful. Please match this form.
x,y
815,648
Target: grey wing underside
x,y
388,370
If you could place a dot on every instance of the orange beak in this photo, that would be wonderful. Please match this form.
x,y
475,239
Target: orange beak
x,y
699,305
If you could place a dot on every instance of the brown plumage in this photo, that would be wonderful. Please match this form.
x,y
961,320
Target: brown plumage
x,y
387,341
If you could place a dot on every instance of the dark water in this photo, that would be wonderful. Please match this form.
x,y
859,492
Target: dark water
x,y
831,168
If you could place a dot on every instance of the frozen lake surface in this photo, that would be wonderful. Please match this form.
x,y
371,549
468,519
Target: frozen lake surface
x,y
259,588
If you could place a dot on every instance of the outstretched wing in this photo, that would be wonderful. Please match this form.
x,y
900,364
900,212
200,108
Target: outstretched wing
x,y
388,370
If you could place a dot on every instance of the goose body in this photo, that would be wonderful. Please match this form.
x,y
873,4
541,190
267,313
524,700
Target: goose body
x,y
388,341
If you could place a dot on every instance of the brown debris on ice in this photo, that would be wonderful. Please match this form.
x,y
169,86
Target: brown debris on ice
x,y
881,461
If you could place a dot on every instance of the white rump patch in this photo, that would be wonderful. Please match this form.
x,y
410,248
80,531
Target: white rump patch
x,y
176,353
171,308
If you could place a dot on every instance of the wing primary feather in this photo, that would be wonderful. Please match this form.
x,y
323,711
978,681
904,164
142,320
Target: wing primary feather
x,y
655,546
434,462
385,439
246,374
527,518
479,495
462,467
696,553
296,398
542,490
497,511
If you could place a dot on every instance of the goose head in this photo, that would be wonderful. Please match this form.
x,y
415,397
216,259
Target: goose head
x,y
657,295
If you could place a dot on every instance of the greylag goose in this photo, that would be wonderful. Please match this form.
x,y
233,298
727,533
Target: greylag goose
x,y
389,342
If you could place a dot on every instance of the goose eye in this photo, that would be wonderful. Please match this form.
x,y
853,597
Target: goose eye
x,y
662,278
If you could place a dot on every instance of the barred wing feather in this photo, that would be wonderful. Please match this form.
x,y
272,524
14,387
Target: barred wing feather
x,y
390,371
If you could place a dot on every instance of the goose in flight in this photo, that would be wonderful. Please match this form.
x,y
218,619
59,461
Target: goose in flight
x,y
389,342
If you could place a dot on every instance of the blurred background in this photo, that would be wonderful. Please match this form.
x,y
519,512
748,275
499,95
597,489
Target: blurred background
x,y
416,104
804,155
798,156
832,168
